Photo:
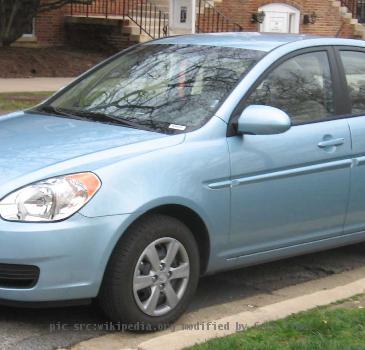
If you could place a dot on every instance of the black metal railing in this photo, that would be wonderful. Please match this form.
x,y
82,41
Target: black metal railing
x,y
150,19
360,11
211,20
356,7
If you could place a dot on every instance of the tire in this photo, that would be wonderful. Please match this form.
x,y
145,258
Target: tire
x,y
121,298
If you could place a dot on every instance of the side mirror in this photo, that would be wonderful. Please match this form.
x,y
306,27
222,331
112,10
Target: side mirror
x,y
263,120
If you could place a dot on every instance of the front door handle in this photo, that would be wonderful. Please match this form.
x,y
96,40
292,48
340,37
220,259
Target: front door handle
x,y
331,143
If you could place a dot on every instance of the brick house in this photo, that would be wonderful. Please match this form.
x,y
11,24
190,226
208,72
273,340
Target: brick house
x,y
119,23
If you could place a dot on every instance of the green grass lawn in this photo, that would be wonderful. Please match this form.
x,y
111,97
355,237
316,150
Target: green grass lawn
x,y
338,327
10,102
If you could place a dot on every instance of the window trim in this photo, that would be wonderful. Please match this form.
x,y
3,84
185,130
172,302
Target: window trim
x,y
342,73
33,34
336,82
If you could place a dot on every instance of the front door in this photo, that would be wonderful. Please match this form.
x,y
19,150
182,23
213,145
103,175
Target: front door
x,y
291,188
280,18
276,22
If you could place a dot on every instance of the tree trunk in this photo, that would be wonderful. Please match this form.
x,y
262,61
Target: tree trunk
x,y
6,43
16,16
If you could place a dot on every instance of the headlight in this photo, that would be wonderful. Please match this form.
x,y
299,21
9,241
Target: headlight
x,y
50,200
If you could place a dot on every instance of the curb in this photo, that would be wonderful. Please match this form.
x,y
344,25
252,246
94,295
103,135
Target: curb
x,y
241,321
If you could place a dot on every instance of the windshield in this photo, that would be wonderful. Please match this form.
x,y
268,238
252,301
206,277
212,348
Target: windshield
x,y
161,87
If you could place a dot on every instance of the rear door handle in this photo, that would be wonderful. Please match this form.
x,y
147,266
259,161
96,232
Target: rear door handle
x,y
331,143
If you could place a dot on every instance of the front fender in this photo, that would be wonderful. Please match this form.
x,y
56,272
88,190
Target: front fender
x,y
177,175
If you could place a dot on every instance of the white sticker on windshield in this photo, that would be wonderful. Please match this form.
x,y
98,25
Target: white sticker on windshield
x,y
177,127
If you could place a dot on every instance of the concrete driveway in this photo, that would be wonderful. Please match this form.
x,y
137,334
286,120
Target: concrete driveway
x,y
217,296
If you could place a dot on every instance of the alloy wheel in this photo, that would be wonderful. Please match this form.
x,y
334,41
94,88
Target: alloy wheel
x,y
161,276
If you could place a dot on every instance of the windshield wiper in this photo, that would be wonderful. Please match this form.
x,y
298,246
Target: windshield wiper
x,y
101,117
147,124
154,124
86,115
58,111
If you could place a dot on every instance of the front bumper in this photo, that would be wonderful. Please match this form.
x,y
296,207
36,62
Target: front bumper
x,y
71,255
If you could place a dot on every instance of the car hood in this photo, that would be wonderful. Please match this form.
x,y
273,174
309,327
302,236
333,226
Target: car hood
x,y
29,142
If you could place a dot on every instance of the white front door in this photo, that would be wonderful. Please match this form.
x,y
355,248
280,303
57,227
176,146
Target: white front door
x,y
280,18
182,16
276,22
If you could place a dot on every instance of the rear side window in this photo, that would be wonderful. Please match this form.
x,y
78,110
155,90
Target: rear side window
x,y
354,65
301,86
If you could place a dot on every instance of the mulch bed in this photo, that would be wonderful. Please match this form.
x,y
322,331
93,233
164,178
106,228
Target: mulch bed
x,y
19,62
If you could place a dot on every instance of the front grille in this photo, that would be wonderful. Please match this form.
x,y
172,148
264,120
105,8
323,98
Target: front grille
x,y
18,276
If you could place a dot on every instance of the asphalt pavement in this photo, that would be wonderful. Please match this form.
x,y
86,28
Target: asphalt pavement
x,y
217,296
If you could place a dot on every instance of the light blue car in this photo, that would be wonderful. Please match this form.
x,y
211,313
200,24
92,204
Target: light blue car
x,y
178,158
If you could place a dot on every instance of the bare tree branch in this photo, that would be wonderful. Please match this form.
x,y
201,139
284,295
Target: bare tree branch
x,y
16,16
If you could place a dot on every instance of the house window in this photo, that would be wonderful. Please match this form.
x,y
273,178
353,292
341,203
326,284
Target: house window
x,y
30,31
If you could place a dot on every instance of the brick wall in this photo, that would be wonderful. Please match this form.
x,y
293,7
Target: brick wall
x,y
97,34
49,28
329,21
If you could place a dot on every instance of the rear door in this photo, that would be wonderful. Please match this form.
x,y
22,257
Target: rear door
x,y
352,64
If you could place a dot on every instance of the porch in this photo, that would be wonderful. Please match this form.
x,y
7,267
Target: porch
x,y
152,19
357,8
125,22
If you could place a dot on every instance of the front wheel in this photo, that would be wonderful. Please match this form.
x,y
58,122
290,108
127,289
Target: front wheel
x,y
152,274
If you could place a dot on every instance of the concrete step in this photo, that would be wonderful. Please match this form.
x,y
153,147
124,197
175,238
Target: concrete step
x,y
160,2
135,30
147,15
139,38
359,29
148,22
336,3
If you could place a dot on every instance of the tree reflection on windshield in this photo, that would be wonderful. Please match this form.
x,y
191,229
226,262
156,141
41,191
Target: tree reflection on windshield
x,y
161,84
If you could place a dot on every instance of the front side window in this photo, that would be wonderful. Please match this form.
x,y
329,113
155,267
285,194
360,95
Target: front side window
x,y
353,63
160,86
301,86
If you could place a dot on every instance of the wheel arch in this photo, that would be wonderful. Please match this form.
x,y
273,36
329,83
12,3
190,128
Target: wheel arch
x,y
196,225
192,220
